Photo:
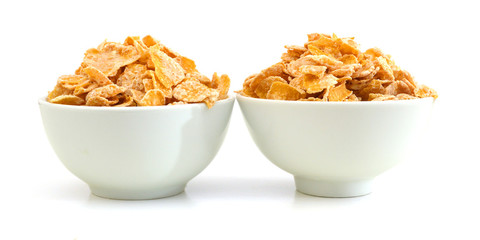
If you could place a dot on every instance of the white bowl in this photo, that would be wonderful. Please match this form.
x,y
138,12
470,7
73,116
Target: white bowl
x,y
335,149
136,152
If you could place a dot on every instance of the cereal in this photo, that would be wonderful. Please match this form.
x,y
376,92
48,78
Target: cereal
x,y
339,93
329,68
167,70
140,72
97,76
264,86
314,84
68,99
153,97
193,91
132,77
109,57
222,85
126,101
187,64
283,91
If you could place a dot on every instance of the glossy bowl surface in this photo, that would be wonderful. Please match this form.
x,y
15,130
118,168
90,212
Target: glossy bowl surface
x,y
335,149
136,152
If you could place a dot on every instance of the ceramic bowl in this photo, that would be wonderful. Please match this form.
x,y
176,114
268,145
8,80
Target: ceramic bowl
x,y
136,152
335,149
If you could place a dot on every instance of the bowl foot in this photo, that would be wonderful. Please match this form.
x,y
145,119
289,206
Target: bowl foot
x,y
145,194
325,188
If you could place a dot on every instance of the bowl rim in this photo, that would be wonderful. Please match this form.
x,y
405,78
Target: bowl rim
x,y
240,97
43,101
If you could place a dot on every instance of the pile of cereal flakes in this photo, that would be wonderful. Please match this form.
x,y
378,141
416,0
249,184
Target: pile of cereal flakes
x,y
328,68
139,72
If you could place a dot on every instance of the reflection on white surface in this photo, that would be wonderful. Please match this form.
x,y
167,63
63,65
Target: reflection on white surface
x,y
234,188
210,190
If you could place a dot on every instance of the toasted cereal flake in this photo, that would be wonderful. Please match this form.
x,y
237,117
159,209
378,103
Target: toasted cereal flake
x,y
132,77
316,51
107,91
98,101
193,91
380,97
403,75
135,94
386,71
297,50
423,91
248,93
352,98
322,41
277,69
222,85
149,41
283,91
263,88
348,46
398,87
59,90
149,82
211,83
356,85
374,52
313,36
110,56
187,64
167,92
374,86
178,103
85,87
274,70
71,81
96,75
316,85
153,97
343,80
130,40
293,53
140,46
126,101
366,73
349,59
339,93
288,58
310,99
318,71
403,96
345,71
68,100
293,68
327,61
167,70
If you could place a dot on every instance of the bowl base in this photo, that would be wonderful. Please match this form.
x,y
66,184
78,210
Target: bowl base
x,y
126,194
336,189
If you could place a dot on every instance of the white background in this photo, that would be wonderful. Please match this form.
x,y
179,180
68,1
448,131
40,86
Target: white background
x,y
434,194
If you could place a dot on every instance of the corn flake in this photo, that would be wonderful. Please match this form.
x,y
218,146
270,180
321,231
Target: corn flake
x,y
283,91
329,68
68,100
140,72
109,57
